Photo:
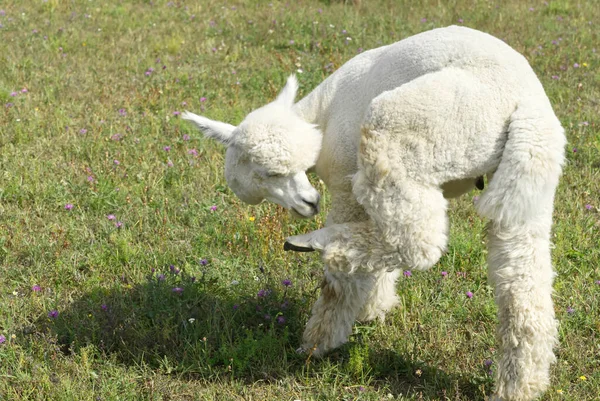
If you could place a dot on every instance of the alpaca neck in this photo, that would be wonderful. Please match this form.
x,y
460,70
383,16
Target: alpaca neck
x,y
314,107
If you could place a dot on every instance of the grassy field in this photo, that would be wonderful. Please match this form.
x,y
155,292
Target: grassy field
x,y
128,269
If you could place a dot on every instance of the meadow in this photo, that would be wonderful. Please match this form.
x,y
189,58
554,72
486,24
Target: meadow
x,y
129,270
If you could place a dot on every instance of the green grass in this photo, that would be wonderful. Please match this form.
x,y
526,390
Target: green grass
x,y
121,332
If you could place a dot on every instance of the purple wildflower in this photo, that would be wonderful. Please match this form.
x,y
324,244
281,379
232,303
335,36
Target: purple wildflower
x,y
262,293
570,310
193,152
167,148
161,277
487,363
576,65
460,20
280,319
213,208
597,282
123,112
24,90
2,339
68,206
13,94
111,217
53,314
83,131
469,294
36,288
176,113
203,262
104,307
444,274
174,270
9,105
574,150
169,163
186,137
116,137
407,273
177,290
119,224
90,178
202,99
287,282
588,206
236,307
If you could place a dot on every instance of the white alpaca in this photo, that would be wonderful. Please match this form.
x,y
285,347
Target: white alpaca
x,y
393,133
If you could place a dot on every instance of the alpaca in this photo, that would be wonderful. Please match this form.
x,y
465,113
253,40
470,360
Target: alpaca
x,y
393,133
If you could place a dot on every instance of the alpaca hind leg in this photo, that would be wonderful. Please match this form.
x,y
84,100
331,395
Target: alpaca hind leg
x,y
521,272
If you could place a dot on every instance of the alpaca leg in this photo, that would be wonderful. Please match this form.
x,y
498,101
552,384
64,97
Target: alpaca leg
x,y
521,272
342,297
382,298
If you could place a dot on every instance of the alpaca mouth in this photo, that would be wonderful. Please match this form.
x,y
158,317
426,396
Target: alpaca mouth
x,y
296,213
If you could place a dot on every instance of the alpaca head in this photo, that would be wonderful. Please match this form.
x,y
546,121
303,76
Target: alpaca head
x,y
268,153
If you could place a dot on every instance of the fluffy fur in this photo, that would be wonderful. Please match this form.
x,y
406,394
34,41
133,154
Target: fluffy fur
x,y
400,129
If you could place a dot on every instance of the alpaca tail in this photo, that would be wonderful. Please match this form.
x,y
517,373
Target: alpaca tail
x,y
527,176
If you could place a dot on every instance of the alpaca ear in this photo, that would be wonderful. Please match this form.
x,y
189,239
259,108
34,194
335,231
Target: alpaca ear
x,y
288,93
222,132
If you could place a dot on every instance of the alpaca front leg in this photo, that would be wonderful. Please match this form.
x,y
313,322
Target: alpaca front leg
x,y
342,297
382,298
521,271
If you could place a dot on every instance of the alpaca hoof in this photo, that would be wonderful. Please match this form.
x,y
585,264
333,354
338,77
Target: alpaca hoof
x,y
288,246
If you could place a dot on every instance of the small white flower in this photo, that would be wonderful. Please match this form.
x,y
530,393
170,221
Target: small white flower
x,y
255,278
348,38
15,293
191,320
235,282
331,26
299,70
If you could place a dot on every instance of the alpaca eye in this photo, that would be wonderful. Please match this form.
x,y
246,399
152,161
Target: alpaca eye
x,y
266,174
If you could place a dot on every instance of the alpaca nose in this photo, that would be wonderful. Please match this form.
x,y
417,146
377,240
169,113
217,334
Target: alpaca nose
x,y
314,205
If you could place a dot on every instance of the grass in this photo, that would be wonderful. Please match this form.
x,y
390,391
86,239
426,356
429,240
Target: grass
x,y
89,95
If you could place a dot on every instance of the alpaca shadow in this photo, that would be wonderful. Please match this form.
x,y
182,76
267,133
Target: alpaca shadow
x,y
176,324
200,330
402,377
